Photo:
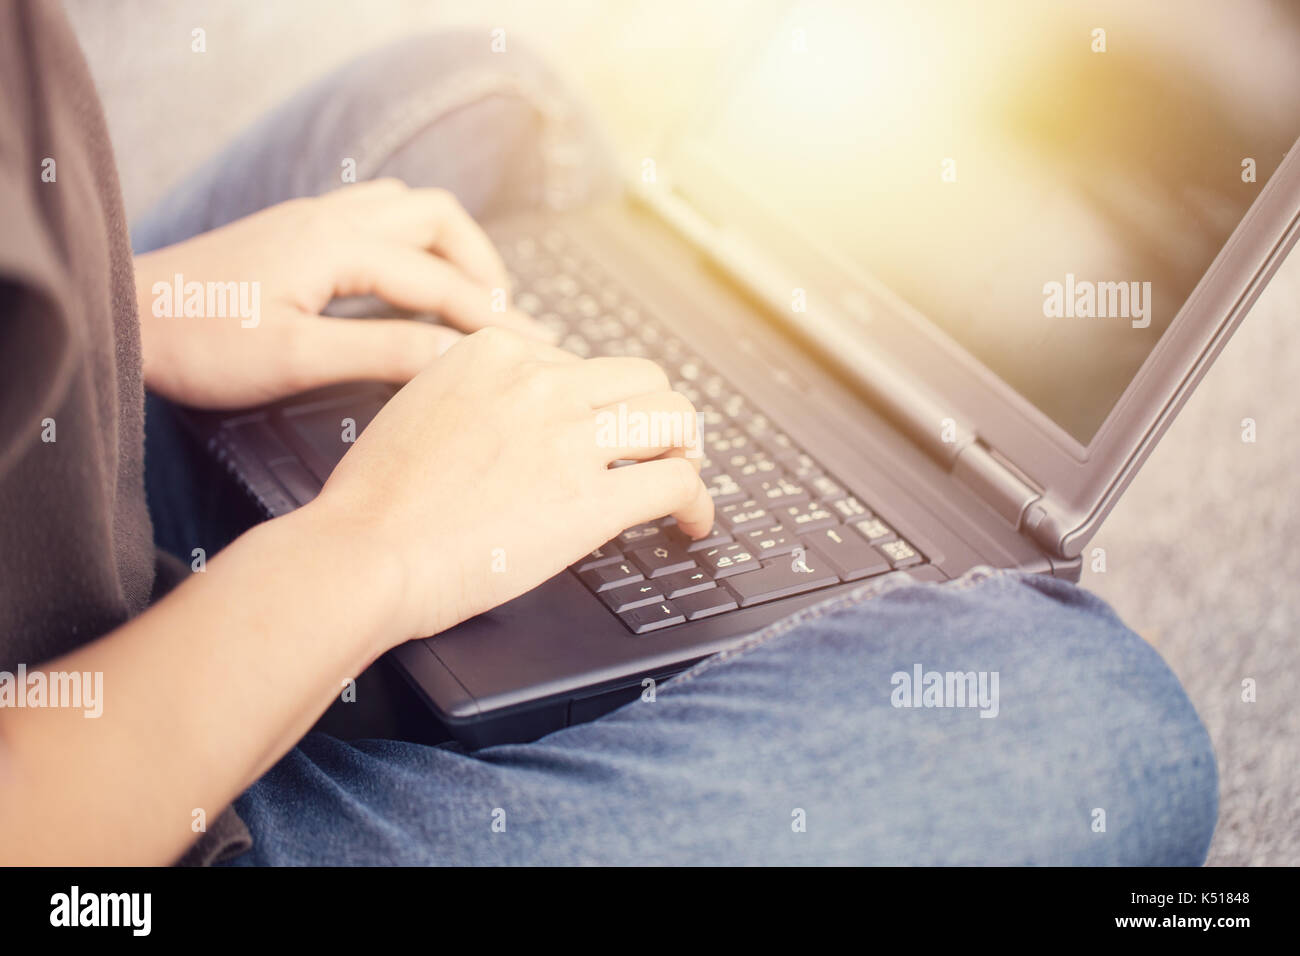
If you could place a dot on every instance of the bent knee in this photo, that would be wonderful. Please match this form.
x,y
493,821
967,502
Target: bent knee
x,y
1129,754
1093,753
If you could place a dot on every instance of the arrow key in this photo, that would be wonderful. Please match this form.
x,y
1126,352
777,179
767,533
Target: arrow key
x,y
634,595
662,558
652,617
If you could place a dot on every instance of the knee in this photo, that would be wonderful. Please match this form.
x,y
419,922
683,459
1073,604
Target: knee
x,y
1093,754
519,136
1130,754
1159,772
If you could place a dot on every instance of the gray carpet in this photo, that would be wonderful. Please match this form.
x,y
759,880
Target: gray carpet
x,y
1201,555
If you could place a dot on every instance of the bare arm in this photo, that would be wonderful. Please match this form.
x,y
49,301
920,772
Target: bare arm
x,y
200,696
494,446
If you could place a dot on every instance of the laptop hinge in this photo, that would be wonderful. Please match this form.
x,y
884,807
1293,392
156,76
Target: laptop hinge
x,y
994,480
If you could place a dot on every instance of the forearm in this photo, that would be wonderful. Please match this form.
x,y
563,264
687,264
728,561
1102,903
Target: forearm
x,y
201,694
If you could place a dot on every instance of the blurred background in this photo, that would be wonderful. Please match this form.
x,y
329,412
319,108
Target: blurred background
x,y
1200,554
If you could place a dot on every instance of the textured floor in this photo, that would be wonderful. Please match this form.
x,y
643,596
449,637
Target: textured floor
x,y
1201,555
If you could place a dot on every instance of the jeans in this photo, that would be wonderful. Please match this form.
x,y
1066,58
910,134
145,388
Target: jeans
x,y
1074,743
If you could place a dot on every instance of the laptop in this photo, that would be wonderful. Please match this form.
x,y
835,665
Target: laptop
x,y
936,287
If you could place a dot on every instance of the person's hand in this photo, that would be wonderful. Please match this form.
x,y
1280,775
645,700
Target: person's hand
x,y
253,332
489,473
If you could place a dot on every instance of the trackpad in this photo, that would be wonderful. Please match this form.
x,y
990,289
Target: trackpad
x,y
329,431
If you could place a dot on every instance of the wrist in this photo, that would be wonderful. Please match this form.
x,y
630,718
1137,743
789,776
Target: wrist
x,y
341,557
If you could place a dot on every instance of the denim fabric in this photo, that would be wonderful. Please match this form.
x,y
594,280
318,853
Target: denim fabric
x,y
796,725
789,748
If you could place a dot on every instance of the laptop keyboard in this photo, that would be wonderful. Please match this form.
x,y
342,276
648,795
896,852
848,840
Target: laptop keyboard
x,y
784,525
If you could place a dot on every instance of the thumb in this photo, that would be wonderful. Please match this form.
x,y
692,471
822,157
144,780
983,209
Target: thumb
x,y
327,350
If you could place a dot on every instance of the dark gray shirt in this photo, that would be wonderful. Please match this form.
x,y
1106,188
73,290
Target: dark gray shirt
x,y
77,557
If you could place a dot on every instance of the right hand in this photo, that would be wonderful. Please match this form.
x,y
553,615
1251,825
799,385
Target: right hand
x,y
490,458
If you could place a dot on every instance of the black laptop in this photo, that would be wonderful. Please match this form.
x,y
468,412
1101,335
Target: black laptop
x,y
936,287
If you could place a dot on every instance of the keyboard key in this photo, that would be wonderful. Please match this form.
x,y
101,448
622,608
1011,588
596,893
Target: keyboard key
x,y
705,603
627,596
715,388
605,554
648,332
780,445
873,529
774,492
800,466
555,323
694,372
769,542
736,408
629,346
611,576
641,534
672,349
783,577
717,535
850,556
710,418
850,508
652,617
685,582
825,489
744,514
722,443
687,391
756,465
577,345
727,559
805,517
724,489
659,559
900,554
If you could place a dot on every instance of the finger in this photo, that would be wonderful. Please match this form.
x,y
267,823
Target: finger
x,y
692,455
652,489
646,427
327,350
609,379
368,189
413,279
434,219
529,349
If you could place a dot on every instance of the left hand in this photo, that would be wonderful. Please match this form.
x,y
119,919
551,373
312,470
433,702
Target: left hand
x,y
254,332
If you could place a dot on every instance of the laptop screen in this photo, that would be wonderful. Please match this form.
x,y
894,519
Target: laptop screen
x,y
1046,181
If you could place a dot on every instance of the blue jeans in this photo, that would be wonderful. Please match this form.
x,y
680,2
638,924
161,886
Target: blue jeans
x,y
797,746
